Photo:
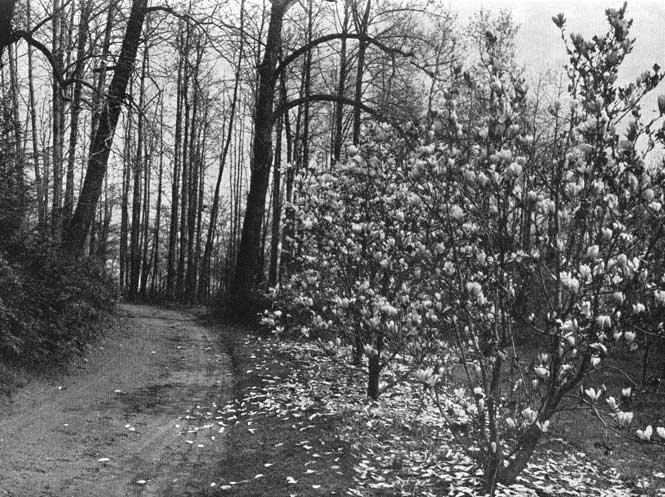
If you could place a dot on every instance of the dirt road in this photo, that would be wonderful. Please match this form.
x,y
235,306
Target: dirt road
x,y
137,418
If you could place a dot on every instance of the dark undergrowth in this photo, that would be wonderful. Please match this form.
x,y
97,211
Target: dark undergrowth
x,y
50,307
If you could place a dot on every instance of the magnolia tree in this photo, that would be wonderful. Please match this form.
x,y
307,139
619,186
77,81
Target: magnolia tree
x,y
554,253
527,261
357,246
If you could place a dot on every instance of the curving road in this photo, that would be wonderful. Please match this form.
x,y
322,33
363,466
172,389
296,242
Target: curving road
x,y
138,417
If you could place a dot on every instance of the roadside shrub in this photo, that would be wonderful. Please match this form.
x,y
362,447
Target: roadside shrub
x,y
49,302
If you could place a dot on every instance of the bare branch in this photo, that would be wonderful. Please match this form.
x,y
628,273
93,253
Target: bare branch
x,y
337,36
284,107
25,35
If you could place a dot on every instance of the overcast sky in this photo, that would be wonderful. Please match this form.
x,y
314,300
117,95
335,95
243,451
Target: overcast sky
x,y
539,45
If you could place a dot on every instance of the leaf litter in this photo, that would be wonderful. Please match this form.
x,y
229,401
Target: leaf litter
x,y
398,443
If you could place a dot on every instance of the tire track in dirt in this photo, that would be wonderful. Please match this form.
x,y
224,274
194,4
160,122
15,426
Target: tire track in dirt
x,y
145,399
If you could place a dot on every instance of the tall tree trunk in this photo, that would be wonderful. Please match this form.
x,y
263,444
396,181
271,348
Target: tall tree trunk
x,y
158,209
338,131
145,263
175,186
135,244
204,282
18,174
101,70
308,89
135,233
247,264
77,229
276,208
199,209
68,207
46,171
186,174
194,156
236,179
124,212
58,123
147,169
300,159
107,212
362,25
42,207
289,212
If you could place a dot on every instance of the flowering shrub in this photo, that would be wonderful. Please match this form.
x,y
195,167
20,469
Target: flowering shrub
x,y
485,239
359,248
556,249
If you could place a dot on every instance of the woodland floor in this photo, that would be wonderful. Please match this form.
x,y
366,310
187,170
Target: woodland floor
x,y
165,405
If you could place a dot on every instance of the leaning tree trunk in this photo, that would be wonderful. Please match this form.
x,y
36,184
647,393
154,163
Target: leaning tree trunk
x,y
247,265
77,229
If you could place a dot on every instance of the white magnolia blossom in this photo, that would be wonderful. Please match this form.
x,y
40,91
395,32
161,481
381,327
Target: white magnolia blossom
x,y
569,282
645,434
604,322
661,432
624,418
529,415
659,295
585,272
593,394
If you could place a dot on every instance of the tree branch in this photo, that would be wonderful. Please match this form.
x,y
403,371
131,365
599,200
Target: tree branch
x,y
63,83
336,36
286,106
